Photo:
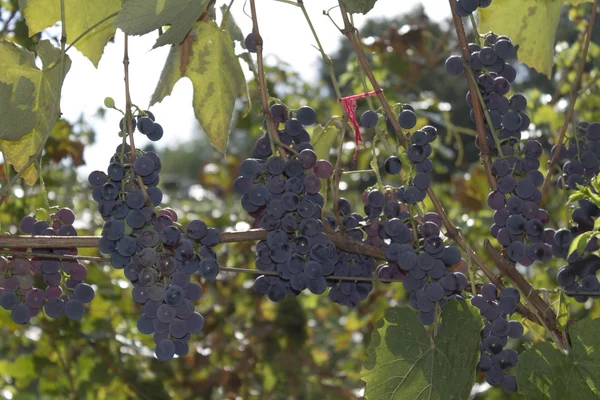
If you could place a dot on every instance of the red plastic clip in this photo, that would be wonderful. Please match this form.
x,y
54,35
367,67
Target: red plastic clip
x,y
349,103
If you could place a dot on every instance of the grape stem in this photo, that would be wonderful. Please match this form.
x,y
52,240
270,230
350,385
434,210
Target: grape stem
x,y
574,94
337,172
484,150
128,118
451,231
262,86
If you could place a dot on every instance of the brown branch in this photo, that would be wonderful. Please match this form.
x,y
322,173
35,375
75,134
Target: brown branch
x,y
484,150
573,100
128,118
66,242
262,85
544,310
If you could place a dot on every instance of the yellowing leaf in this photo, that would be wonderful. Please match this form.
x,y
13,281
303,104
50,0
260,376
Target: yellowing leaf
x,y
531,24
139,17
17,64
17,118
216,75
80,15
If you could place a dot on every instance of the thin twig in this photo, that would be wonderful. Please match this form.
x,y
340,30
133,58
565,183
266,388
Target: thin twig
x,y
588,85
262,85
484,150
7,22
128,118
573,100
338,94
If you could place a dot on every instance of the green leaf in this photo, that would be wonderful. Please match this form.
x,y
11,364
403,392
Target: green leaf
x,y
80,15
17,117
322,139
139,17
231,26
211,64
576,197
580,243
544,372
359,6
562,317
37,92
531,24
403,362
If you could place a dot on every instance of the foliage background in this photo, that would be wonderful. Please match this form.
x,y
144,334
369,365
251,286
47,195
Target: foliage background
x,y
303,348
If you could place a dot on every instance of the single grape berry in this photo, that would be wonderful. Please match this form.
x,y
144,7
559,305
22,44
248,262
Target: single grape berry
x,y
369,119
454,65
392,165
251,43
306,115
407,119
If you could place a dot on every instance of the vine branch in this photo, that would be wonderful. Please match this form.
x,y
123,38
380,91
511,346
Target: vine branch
x,y
262,85
572,101
484,150
341,241
128,117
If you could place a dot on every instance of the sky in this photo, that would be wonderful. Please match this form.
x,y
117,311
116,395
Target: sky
x,y
284,31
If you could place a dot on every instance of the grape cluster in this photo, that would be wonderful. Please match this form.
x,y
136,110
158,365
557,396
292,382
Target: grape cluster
x,y
146,125
519,222
416,253
65,290
495,359
350,292
580,276
118,193
583,217
283,197
293,134
158,258
418,154
464,8
580,156
494,76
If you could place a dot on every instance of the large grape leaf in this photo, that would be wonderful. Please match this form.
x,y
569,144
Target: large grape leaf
x,y
37,95
17,117
80,15
544,372
531,24
359,6
405,363
208,59
139,17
